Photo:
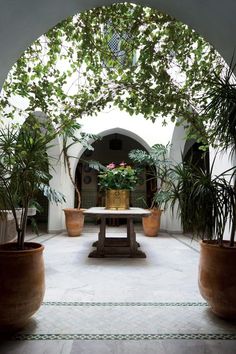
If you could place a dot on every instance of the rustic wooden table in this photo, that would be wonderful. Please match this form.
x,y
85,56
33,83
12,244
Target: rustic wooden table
x,y
117,246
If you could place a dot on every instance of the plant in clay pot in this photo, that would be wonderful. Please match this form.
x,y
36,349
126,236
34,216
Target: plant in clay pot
x,y
23,172
206,204
207,201
158,172
71,136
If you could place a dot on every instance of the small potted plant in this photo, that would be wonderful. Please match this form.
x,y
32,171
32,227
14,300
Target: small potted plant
x,y
24,170
158,171
117,180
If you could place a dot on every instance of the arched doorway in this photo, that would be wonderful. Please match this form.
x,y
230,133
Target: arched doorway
x,y
81,182
112,148
194,155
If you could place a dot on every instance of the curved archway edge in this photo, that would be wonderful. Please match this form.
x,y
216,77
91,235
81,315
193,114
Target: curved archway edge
x,y
24,21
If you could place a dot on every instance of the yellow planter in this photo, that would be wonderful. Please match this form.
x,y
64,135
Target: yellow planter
x,y
117,199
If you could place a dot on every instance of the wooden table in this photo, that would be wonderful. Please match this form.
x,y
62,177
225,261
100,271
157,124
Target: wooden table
x,y
117,246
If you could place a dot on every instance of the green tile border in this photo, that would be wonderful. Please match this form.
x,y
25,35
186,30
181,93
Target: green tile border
x,y
132,304
164,336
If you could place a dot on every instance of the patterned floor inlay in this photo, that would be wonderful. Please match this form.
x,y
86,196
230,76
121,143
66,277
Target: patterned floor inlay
x,y
75,303
163,336
156,320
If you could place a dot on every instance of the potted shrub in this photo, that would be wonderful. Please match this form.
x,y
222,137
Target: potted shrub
x,y
206,202
72,135
158,168
23,171
212,199
117,180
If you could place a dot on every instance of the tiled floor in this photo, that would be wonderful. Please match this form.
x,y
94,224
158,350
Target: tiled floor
x,y
122,305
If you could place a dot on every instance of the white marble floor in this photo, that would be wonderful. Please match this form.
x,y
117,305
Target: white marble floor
x,y
122,305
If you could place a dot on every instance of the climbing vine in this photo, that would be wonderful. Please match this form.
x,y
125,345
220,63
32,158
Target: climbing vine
x,y
133,57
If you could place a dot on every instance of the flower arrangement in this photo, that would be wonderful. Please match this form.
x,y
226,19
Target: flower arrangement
x,y
121,176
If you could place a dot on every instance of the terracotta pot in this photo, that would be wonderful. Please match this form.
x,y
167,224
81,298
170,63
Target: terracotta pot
x,y
117,199
22,283
151,223
217,278
74,221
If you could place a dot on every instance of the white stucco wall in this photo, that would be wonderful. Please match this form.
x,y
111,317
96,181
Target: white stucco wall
x,y
109,122
148,131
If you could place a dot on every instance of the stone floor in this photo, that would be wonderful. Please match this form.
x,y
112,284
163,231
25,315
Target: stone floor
x,y
122,305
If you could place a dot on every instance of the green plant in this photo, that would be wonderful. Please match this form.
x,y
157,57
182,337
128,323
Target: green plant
x,y
205,202
24,170
220,108
71,135
74,68
158,170
114,176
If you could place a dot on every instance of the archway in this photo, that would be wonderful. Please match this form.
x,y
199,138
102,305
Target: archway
x,y
192,12
114,147
23,22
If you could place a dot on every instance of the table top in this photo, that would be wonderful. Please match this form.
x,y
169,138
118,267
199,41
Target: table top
x,y
131,212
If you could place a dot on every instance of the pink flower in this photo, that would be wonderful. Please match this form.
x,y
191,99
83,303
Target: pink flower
x,y
111,166
123,164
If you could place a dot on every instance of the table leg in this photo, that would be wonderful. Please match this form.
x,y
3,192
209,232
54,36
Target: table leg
x,y
134,252
101,237
100,244
119,246
131,236
128,231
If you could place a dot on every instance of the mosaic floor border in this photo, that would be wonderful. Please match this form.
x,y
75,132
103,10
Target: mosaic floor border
x,y
165,336
155,304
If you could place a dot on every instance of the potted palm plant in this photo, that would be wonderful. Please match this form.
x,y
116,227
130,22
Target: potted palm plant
x,y
24,170
158,168
206,204
214,200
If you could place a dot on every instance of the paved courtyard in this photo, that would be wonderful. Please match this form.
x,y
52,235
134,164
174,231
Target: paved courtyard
x,y
122,305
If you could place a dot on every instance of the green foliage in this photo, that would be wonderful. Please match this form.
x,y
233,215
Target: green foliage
x,y
24,169
221,109
120,176
205,201
158,169
159,67
71,135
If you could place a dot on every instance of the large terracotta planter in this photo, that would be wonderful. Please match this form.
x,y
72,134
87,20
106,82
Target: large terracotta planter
x,y
117,199
151,223
74,221
22,284
217,278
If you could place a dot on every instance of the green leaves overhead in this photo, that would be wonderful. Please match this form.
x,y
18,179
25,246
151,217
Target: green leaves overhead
x,y
137,58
